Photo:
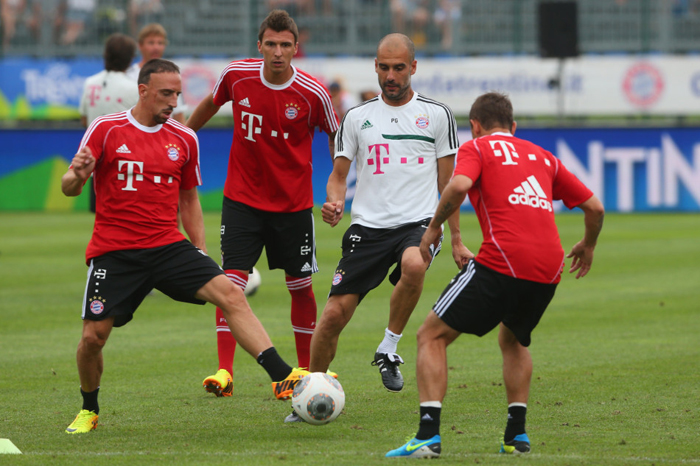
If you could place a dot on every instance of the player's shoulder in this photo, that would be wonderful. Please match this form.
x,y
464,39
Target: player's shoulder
x,y
184,131
95,78
433,105
362,109
309,84
111,119
243,66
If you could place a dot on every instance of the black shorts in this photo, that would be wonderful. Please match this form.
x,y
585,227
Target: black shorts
x,y
118,281
478,299
369,253
288,238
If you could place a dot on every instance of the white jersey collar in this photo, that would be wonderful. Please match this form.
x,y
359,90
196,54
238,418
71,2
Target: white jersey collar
x,y
145,129
397,108
277,87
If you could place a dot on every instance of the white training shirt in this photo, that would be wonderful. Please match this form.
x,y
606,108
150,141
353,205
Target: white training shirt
x,y
107,92
395,151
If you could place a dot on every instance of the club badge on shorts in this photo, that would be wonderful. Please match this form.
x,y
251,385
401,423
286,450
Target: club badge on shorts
x,y
97,306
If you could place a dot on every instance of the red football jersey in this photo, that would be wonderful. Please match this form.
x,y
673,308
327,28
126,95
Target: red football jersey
x,y
270,165
139,172
515,182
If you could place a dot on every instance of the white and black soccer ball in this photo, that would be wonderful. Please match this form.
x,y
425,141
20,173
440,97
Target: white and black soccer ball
x,y
318,398
254,281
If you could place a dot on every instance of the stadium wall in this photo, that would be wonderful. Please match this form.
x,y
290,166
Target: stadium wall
x,y
631,170
627,85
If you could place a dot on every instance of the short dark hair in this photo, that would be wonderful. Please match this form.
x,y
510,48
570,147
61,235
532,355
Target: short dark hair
x,y
492,110
278,21
119,52
156,65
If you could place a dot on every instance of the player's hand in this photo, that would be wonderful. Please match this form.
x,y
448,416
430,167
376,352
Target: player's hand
x,y
332,212
461,254
583,258
83,163
431,237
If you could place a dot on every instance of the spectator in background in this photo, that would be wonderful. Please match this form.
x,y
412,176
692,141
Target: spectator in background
x,y
110,90
293,7
366,95
447,18
410,17
10,11
152,42
342,100
75,15
142,12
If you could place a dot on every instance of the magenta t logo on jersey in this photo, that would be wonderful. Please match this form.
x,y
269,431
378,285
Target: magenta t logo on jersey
x,y
378,159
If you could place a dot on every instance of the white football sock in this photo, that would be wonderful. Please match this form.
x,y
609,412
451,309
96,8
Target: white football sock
x,y
389,343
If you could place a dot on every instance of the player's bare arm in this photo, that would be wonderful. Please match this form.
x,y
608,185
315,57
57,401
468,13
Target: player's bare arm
x,y
331,144
82,165
203,113
582,252
332,210
452,197
192,218
460,253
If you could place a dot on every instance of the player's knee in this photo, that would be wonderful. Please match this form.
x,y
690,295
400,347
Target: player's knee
x,y
93,341
413,270
334,318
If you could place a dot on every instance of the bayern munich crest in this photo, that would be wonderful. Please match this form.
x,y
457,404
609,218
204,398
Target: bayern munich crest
x,y
337,278
292,111
422,121
173,152
97,306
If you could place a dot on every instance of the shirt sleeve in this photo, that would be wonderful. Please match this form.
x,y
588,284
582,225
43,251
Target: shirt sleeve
x,y
446,142
191,172
222,89
94,138
568,188
346,138
329,121
469,162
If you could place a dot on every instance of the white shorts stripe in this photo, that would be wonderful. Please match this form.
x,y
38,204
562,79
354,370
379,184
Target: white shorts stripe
x,y
87,283
448,298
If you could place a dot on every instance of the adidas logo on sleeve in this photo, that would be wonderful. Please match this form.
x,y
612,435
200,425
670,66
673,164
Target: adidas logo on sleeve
x,y
530,193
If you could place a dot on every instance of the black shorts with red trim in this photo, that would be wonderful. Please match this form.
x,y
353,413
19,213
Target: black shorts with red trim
x,y
369,253
288,238
117,282
478,299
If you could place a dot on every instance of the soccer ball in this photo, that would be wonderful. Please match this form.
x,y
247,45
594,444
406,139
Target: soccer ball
x,y
318,398
254,282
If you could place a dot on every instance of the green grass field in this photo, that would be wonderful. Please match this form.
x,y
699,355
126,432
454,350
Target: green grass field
x,y
616,382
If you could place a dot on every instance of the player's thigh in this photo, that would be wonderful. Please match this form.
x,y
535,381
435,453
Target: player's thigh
x,y
474,301
407,249
290,242
242,235
117,283
182,270
368,254
531,300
